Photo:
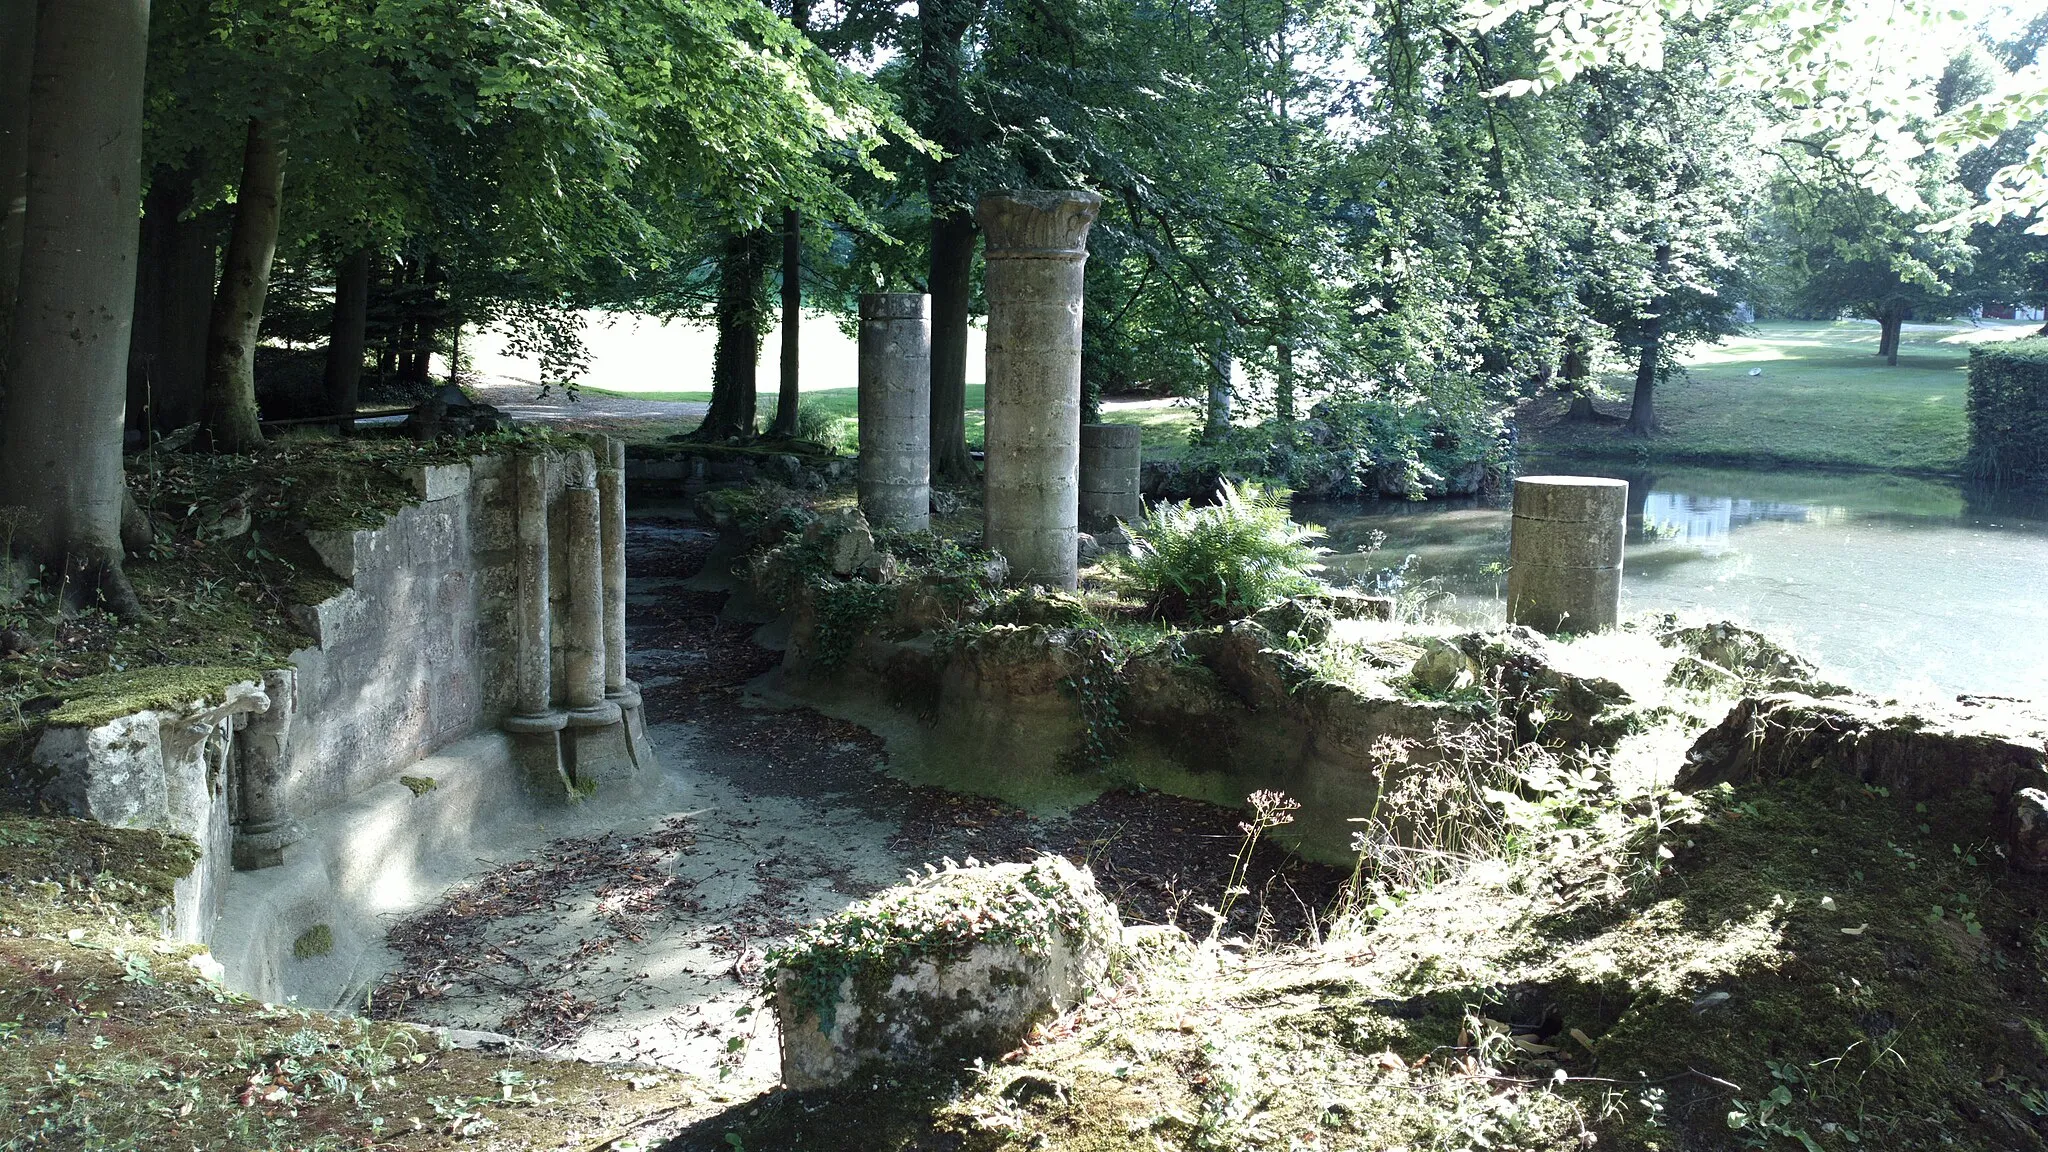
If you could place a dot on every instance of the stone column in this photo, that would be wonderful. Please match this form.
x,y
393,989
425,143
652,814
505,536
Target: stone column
x,y
1564,556
611,499
895,409
1110,455
1037,246
265,829
583,631
535,722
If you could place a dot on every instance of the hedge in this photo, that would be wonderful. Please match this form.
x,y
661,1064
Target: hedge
x,y
2009,412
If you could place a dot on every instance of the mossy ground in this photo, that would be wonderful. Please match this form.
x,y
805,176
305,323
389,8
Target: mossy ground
x,y
112,1039
1798,966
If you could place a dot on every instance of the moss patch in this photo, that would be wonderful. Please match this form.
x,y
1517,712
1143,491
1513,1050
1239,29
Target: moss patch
x,y
419,785
313,943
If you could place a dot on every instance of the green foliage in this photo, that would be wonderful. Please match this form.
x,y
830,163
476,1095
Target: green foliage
x,y
1364,445
2009,411
1222,560
822,426
845,611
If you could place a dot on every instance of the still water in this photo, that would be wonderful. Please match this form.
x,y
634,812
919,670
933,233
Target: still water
x,y
1895,585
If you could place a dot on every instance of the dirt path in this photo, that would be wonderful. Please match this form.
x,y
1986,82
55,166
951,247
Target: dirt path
x,y
587,411
648,943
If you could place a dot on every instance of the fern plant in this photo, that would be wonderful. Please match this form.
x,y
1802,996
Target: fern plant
x,y
1225,559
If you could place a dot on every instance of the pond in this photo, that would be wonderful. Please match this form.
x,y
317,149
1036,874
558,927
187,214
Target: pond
x,y
1895,585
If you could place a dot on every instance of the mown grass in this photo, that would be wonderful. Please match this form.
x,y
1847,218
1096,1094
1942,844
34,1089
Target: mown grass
x,y
1824,399
1166,425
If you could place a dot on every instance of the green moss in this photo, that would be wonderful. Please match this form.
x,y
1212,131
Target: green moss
x,y
96,700
314,942
56,872
419,785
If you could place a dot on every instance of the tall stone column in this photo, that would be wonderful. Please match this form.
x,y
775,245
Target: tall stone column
x,y
1565,553
535,722
1037,247
611,499
1110,459
895,409
265,828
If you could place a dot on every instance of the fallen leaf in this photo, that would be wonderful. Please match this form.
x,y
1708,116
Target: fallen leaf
x,y
1582,1038
1856,931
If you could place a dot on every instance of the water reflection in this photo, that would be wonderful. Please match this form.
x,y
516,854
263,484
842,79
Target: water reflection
x,y
1896,584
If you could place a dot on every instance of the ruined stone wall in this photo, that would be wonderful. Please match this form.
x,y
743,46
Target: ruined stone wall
x,y
417,652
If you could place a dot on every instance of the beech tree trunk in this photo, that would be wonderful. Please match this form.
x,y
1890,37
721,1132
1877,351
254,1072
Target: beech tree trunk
x,y
787,400
231,418
67,356
1642,412
952,285
1891,323
1217,423
347,333
742,309
173,296
17,60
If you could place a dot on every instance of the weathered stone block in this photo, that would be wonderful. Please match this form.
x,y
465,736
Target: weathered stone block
x,y
954,965
439,481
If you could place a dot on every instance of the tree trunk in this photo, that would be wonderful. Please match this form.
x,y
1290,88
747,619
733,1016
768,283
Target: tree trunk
x,y
231,419
1218,422
67,359
1642,413
1891,324
17,60
173,296
742,307
952,286
347,332
787,400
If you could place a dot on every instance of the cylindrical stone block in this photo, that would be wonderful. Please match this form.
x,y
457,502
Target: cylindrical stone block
x,y
583,650
1037,247
1110,455
1564,556
895,410
533,689
611,500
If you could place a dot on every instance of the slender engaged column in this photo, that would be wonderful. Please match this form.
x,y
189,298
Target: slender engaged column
x,y
1564,555
1037,247
263,745
1110,455
584,652
611,499
533,707
895,409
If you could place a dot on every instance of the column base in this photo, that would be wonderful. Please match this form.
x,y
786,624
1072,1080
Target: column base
x,y
598,715
520,724
259,846
538,753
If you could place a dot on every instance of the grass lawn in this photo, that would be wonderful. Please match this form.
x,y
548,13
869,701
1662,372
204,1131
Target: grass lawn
x,y
1166,425
1824,399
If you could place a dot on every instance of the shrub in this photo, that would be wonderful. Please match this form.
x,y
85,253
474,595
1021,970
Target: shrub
x,y
820,426
1226,559
2009,411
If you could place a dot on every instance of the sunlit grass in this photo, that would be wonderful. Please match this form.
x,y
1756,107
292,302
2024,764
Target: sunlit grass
x,y
1823,399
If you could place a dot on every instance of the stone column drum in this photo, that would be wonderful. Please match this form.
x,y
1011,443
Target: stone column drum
x,y
895,410
1109,475
1564,556
1037,247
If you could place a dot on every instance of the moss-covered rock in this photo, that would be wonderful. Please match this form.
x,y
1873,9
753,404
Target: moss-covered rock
x,y
954,965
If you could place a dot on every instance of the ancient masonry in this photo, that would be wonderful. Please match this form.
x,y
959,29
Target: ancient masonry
x,y
498,597
1564,554
895,396
1037,249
